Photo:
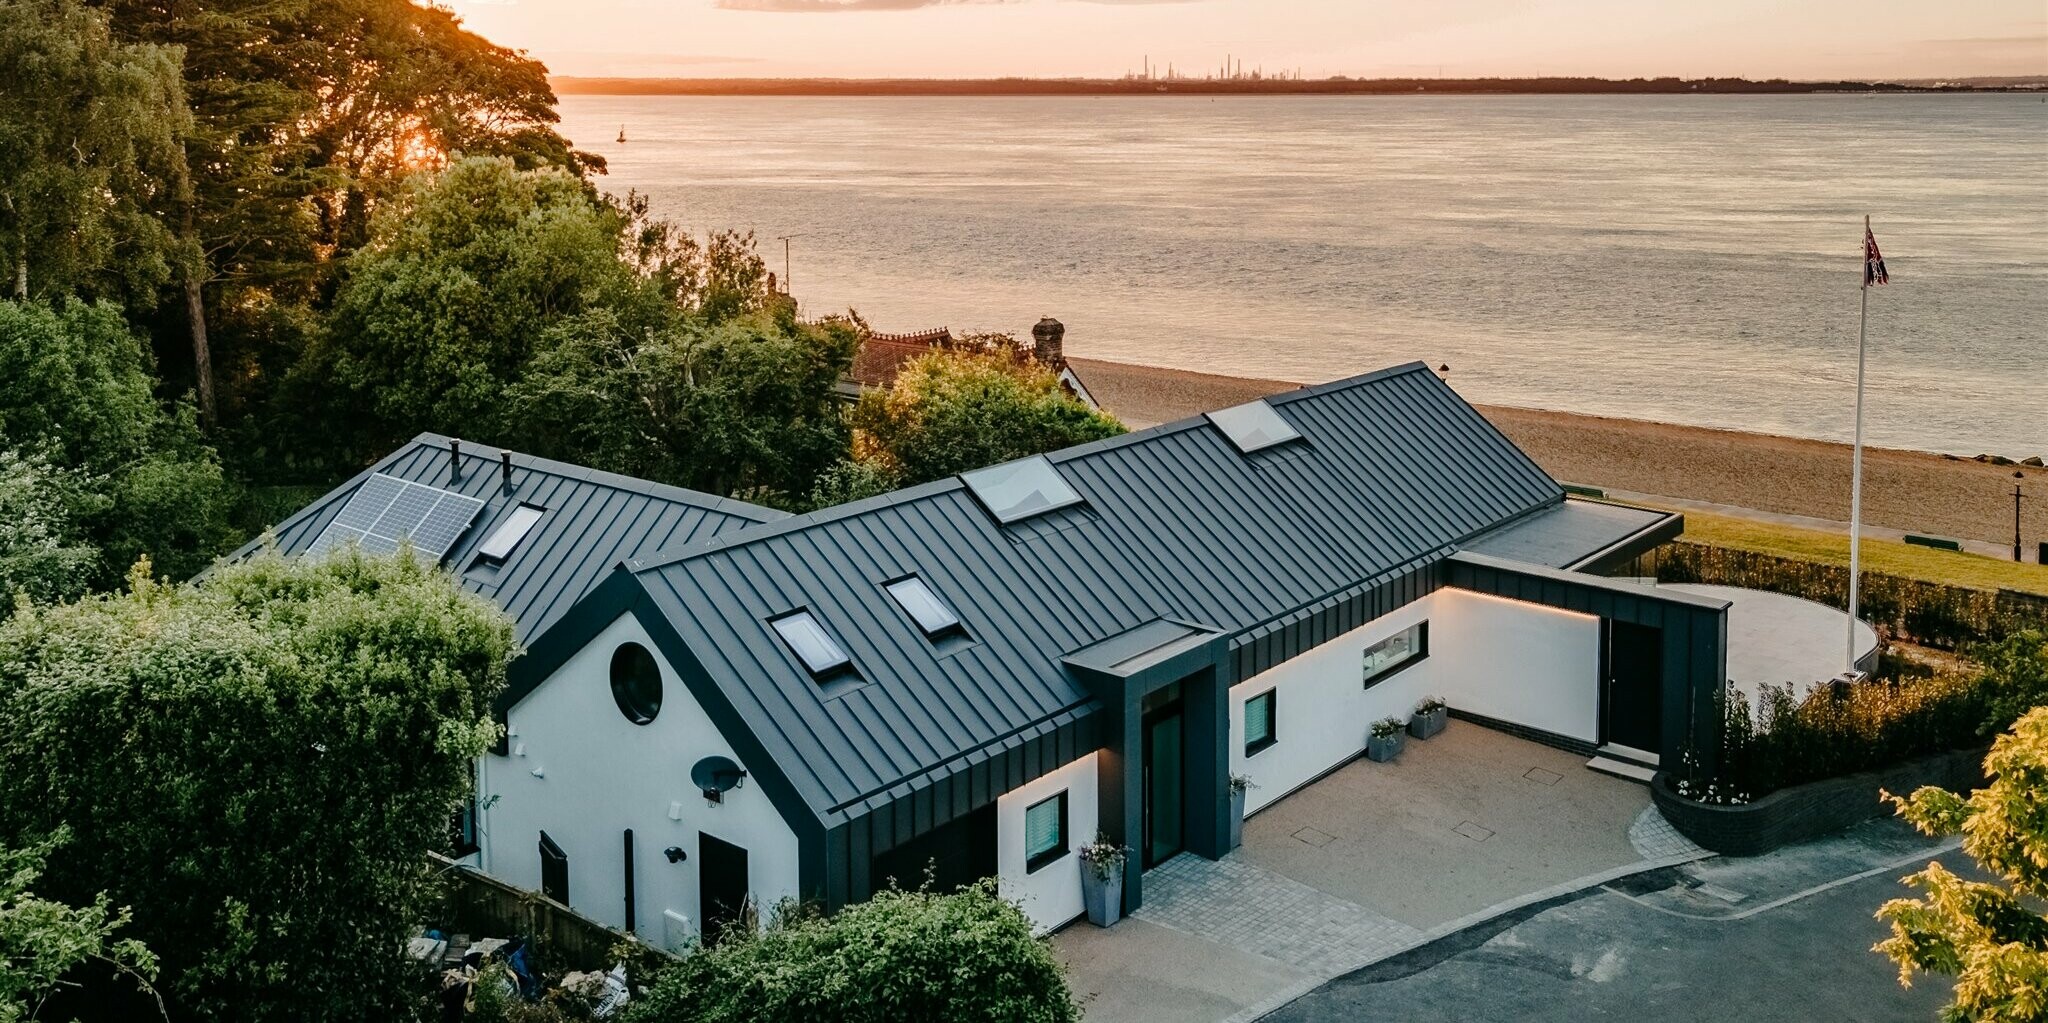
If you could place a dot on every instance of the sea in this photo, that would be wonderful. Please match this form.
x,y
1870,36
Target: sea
x,y
1686,259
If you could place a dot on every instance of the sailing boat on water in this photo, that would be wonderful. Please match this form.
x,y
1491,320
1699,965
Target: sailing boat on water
x,y
622,133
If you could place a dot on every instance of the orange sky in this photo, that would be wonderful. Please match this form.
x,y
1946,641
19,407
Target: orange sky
x,y
980,38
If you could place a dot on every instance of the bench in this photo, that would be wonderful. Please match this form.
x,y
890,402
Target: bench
x,y
1937,542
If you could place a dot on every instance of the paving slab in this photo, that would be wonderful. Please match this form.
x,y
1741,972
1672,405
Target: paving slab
x,y
1142,972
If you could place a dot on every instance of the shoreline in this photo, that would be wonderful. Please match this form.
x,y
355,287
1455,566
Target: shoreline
x,y
595,85
1916,491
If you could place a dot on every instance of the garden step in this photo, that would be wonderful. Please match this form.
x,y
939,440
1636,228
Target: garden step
x,y
1622,769
1630,754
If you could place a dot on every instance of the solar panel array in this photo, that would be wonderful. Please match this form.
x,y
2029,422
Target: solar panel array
x,y
386,510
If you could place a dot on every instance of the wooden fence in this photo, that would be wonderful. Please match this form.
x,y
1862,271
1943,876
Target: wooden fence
x,y
484,907
1931,614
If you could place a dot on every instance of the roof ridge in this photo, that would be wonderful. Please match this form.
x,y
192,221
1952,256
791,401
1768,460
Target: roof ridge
x,y
602,477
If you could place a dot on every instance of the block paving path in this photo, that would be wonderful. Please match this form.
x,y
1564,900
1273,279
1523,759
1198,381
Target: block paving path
x,y
1251,909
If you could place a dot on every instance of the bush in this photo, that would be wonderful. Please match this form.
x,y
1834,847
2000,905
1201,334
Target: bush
x,y
256,765
900,957
951,413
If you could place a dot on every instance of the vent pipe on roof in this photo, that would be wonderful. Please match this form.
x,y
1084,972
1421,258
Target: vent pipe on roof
x,y
455,456
505,462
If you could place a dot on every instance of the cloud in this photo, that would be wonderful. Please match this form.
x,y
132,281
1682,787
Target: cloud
x,y
829,6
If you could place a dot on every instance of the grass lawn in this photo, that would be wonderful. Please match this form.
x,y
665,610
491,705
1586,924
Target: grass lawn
x,y
1926,563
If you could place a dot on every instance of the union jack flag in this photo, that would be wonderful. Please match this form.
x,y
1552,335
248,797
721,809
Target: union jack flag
x,y
1873,261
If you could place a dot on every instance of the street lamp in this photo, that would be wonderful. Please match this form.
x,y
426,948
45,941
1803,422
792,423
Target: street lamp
x,y
2017,476
784,239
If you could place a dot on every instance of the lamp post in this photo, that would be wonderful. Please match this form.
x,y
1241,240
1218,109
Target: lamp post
x,y
784,239
2017,476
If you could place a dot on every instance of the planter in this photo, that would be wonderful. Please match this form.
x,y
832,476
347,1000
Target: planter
x,y
1422,726
1384,748
1102,896
1811,810
1236,818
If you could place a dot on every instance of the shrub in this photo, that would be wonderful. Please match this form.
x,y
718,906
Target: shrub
x,y
899,957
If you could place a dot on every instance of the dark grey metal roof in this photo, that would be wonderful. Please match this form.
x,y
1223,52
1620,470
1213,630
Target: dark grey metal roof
x,y
1565,535
1175,523
593,521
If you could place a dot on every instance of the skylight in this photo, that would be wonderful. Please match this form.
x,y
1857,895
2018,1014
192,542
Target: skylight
x,y
1014,491
499,545
923,607
820,654
1253,426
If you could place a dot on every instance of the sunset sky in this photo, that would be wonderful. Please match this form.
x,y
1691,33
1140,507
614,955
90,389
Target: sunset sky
x,y
1103,38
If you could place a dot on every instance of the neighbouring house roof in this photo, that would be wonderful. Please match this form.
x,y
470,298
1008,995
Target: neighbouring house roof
x,y
881,358
1577,534
1392,469
591,521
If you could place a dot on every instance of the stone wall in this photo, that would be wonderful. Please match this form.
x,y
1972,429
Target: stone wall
x,y
1812,810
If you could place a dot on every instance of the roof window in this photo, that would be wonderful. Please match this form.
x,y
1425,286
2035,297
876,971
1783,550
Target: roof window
x,y
821,655
1015,491
499,545
924,607
1253,426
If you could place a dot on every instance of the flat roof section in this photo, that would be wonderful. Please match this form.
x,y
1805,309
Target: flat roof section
x,y
1573,534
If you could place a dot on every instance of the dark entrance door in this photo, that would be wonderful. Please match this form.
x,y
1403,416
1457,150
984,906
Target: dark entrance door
x,y
1635,687
721,886
554,870
953,855
1165,782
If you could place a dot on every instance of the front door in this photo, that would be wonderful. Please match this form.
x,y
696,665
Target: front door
x,y
1165,784
1635,687
721,886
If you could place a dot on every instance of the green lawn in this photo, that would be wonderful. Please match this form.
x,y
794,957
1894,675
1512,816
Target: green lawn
x,y
1974,570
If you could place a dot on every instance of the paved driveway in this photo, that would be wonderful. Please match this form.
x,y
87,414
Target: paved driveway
x,y
1367,862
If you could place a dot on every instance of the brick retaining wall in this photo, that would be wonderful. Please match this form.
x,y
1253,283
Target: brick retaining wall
x,y
1814,809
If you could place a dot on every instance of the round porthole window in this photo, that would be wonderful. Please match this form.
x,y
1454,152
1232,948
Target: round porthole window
x,y
636,683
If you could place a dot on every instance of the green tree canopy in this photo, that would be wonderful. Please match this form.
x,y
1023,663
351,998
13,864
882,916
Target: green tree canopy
x,y
42,941
44,554
257,764
1990,936
898,956
76,387
950,413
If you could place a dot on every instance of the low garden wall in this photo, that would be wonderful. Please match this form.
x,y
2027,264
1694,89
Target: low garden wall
x,y
1808,811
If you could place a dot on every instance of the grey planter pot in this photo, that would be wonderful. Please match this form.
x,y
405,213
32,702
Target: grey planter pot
x,y
1422,726
1237,818
1103,897
1383,750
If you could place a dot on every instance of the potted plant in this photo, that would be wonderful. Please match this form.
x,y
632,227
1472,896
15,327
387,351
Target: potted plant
x,y
1430,716
1385,739
1238,784
1102,879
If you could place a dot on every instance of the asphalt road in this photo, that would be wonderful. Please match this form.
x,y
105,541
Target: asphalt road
x,y
1773,938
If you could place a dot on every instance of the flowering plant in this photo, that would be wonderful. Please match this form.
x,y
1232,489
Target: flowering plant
x,y
1387,728
1104,858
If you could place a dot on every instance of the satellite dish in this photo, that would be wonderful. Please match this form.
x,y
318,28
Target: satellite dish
x,y
713,776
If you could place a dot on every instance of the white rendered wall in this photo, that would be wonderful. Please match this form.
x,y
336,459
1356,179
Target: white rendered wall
x,y
1052,896
1523,663
603,774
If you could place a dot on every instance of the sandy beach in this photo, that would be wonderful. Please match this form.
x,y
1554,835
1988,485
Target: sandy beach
x,y
1908,490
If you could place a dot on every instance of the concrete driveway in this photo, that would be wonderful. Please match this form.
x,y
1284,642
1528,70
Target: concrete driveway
x,y
1372,860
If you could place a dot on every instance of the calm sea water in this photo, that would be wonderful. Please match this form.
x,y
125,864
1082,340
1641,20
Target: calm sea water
x,y
1688,259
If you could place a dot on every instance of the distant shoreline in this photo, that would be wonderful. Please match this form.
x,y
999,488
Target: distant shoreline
x,y
569,85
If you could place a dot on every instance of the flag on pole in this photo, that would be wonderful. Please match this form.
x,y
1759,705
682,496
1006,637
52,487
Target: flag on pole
x,y
1873,261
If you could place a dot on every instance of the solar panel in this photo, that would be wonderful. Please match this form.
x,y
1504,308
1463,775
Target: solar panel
x,y
1253,425
386,510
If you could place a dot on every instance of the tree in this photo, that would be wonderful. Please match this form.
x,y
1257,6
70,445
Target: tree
x,y
42,941
950,413
258,765
76,388
1990,936
90,137
44,555
851,479
898,956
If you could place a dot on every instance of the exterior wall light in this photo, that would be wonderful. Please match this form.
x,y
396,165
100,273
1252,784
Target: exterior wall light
x,y
675,854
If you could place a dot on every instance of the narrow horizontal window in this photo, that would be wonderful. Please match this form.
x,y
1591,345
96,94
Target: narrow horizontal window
x,y
1395,652
1045,832
504,539
1258,722
821,655
924,607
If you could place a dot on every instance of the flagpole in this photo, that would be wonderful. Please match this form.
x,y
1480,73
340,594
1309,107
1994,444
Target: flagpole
x,y
1856,472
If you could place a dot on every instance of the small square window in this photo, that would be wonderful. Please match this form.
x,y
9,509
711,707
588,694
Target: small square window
x,y
1259,730
923,606
821,655
1045,832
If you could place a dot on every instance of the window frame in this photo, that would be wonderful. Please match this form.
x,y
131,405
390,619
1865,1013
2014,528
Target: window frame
x,y
505,529
952,627
1254,747
1416,656
636,707
821,673
1060,849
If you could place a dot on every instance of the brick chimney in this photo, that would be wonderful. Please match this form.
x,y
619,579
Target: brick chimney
x,y
1047,346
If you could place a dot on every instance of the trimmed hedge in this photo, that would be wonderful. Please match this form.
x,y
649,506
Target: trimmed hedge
x,y
1931,614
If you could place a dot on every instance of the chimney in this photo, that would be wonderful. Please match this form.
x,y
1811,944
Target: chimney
x,y
505,461
455,457
1047,345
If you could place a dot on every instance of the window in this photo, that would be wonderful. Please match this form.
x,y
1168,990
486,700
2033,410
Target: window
x,y
636,683
820,654
1390,655
1253,426
1045,832
462,837
498,546
923,606
1259,732
554,870
1014,491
